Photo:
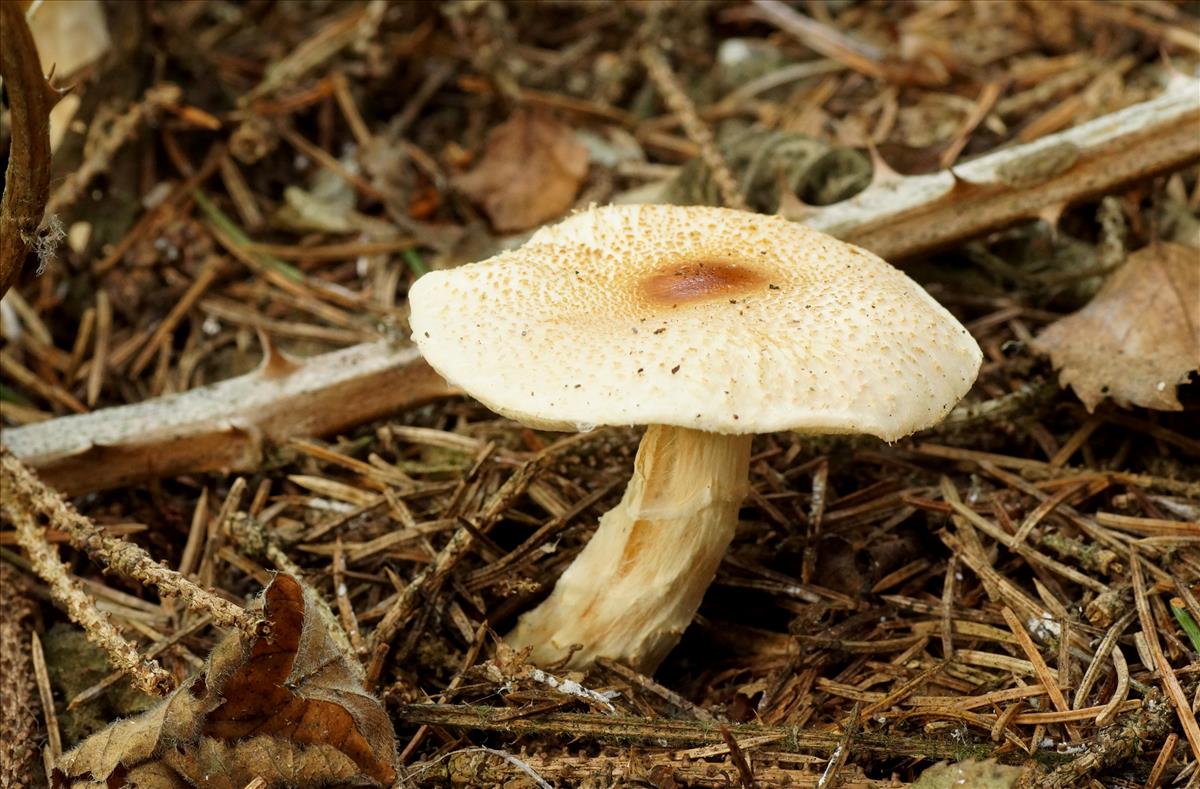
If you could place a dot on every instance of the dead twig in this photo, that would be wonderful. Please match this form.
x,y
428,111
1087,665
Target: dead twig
x,y
46,697
684,733
900,218
27,179
1173,690
18,725
426,581
829,776
1114,744
118,556
147,675
121,131
745,773
696,130
832,43
229,425
359,23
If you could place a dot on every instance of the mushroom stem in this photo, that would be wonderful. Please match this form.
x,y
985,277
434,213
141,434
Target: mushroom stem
x,y
635,587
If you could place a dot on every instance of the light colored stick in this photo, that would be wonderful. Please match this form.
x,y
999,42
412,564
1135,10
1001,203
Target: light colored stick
x,y
229,425
224,426
899,217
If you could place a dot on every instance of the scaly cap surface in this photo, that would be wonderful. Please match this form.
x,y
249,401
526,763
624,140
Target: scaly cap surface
x,y
706,318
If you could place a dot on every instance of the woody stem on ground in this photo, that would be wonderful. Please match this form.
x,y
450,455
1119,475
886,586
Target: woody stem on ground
x,y
26,495
904,216
147,675
899,218
27,178
18,692
635,587
681,733
230,425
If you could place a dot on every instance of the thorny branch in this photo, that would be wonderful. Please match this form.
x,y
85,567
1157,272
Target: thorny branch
x,y
27,179
899,217
146,674
228,426
26,495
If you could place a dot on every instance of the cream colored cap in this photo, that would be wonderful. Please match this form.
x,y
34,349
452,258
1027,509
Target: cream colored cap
x,y
698,317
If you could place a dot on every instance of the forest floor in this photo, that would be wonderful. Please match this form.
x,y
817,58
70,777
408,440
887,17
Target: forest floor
x,y
236,181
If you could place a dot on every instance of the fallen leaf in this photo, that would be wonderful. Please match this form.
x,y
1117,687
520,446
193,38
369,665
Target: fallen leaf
x,y
1139,337
278,762
970,773
531,169
289,708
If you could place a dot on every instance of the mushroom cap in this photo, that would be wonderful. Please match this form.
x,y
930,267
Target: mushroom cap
x,y
706,318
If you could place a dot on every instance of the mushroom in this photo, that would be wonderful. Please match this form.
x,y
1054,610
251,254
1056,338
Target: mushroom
x,y
708,326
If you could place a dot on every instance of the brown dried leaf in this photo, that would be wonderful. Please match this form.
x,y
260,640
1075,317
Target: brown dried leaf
x,y
289,708
531,169
278,762
1139,337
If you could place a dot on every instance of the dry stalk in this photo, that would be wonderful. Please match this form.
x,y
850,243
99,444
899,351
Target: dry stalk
x,y
696,129
902,217
147,675
1170,682
18,692
429,578
677,733
41,675
115,555
491,767
227,426
851,52
27,179
356,25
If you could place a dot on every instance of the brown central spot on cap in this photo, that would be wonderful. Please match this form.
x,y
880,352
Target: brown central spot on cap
x,y
682,283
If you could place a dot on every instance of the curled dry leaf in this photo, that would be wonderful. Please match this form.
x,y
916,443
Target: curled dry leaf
x,y
1139,337
531,169
289,708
